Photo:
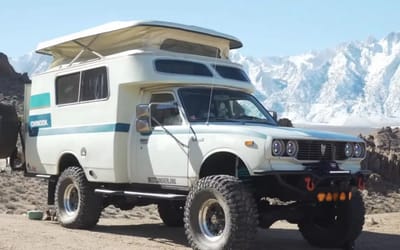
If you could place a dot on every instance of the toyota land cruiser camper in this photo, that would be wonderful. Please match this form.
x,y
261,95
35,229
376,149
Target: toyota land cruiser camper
x,y
136,113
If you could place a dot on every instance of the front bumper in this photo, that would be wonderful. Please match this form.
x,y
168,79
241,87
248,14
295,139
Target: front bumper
x,y
316,178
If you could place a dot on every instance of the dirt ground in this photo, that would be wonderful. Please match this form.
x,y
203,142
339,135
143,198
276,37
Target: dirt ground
x,y
141,227
381,231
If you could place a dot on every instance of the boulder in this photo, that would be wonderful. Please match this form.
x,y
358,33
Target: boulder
x,y
383,153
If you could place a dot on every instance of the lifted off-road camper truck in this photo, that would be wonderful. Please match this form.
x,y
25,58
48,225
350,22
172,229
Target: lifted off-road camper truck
x,y
135,113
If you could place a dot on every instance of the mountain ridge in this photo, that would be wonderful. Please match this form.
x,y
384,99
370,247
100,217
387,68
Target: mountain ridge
x,y
356,83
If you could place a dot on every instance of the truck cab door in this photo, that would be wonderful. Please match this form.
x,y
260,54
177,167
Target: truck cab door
x,y
162,154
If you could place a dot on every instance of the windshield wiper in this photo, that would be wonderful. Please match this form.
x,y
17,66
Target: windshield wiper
x,y
248,119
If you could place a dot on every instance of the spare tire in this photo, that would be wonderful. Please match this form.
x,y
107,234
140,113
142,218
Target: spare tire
x,y
9,126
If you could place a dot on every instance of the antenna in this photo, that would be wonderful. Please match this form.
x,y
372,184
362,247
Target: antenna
x,y
209,104
212,87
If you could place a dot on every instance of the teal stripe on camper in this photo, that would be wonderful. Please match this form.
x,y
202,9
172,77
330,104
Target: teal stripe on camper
x,y
116,127
40,101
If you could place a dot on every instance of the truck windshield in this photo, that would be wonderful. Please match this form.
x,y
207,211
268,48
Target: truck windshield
x,y
224,106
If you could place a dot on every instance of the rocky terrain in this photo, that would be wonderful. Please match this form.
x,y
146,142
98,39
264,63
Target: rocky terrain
x,y
383,159
384,153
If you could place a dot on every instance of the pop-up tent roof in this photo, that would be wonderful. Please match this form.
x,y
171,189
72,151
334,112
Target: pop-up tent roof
x,y
116,37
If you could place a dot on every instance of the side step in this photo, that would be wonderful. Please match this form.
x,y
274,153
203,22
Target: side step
x,y
140,194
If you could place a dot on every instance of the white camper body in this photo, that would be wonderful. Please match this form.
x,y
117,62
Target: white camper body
x,y
100,133
134,113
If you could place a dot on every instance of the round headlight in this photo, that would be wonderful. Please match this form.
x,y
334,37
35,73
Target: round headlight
x,y
292,148
358,150
348,150
278,147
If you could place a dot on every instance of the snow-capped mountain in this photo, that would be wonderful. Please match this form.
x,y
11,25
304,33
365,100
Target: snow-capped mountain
x,y
30,63
357,83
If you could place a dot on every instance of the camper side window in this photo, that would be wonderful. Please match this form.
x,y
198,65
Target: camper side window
x,y
82,86
94,84
67,88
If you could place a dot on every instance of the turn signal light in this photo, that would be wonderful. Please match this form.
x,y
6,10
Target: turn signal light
x,y
321,197
342,196
249,143
335,196
329,197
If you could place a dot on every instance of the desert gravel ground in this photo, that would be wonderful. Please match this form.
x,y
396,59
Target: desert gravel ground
x,y
381,231
141,227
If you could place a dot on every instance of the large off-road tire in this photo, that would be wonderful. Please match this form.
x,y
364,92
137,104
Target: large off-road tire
x,y
171,213
220,213
77,205
334,225
9,126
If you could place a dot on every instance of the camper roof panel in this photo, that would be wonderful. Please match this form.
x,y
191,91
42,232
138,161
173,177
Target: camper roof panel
x,y
118,36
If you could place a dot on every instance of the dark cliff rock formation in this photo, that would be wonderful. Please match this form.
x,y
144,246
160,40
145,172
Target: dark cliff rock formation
x,y
383,154
6,69
11,82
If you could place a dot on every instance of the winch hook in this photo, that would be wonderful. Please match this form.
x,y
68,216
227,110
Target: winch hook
x,y
310,185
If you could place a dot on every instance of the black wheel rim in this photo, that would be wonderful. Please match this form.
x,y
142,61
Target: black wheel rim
x,y
71,199
212,219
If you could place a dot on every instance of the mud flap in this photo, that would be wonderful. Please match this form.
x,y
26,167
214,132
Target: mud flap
x,y
9,126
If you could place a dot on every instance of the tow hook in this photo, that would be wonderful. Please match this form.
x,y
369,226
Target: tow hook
x,y
360,183
310,185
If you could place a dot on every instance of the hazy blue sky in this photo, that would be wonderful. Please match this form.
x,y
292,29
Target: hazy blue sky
x,y
267,28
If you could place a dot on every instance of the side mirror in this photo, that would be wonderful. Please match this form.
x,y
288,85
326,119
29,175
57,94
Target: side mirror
x,y
274,115
145,113
143,117
285,122
142,110
164,114
143,126
166,107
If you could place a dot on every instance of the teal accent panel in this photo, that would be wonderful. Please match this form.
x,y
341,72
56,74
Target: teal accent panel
x,y
40,101
37,122
117,127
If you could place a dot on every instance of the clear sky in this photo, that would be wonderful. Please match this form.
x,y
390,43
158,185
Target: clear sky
x,y
266,27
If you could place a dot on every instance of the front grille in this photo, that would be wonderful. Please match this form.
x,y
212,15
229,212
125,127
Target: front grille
x,y
321,150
